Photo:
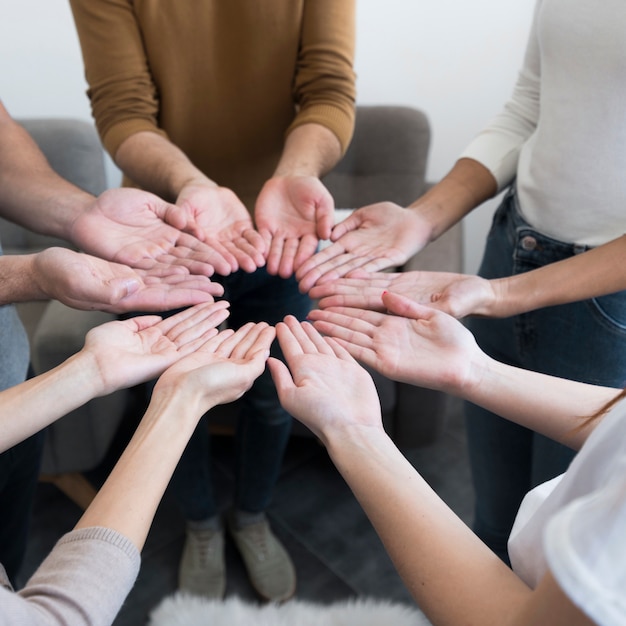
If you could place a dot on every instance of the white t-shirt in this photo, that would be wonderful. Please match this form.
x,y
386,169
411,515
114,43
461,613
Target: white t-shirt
x,y
575,524
562,135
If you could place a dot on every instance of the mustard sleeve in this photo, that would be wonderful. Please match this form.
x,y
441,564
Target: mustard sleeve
x,y
123,96
324,84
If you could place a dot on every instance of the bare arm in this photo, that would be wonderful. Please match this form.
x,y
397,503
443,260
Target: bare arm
x,y
385,235
31,193
594,273
294,209
422,346
452,575
219,371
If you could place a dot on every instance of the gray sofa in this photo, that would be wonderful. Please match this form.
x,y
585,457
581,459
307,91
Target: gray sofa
x,y
386,161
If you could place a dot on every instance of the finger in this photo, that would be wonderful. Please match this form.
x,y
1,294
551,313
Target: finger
x,y
318,259
281,376
295,326
324,219
251,251
227,346
275,254
339,351
197,324
290,248
249,341
318,341
370,301
369,318
365,355
352,222
182,317
222,260
289,345
405,307
243,258
334,269
306,249
256,240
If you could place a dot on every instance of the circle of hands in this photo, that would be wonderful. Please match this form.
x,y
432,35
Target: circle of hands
x,y
161,256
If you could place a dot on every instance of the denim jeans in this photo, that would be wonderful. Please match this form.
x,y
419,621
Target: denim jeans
x,y
584,341
264,426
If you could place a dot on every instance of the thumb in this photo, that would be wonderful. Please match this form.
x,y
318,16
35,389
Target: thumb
x,y
405,307
281,376
120,288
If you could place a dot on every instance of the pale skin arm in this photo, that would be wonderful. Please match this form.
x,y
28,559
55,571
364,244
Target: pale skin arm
x,y
210,212
88,283
594,273
123,225
116,355
422,346
385,235
452,575
294,210
219,371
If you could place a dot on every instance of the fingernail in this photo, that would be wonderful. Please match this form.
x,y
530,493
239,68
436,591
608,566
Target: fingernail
x,y
385,293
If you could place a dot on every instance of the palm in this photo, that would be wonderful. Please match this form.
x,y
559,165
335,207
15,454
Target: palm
x,y
373,238
131,351
292,213
224,224
127,226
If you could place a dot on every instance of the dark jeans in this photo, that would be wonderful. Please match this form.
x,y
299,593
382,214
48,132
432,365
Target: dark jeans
x,y
584,341
264,426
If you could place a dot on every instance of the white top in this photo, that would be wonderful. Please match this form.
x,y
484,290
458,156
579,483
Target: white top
x,y
575,524
563,133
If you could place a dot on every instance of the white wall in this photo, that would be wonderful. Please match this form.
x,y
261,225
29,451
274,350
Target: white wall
x,y
454,59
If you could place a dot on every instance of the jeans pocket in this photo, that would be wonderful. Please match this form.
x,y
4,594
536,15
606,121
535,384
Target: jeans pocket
x,y
611,309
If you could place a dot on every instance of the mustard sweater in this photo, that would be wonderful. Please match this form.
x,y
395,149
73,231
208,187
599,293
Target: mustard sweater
x,y
224,80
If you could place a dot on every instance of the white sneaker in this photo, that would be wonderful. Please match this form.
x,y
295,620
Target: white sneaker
x,y
202,570
270,568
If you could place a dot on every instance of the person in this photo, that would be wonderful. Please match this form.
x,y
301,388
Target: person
x,y
91,569
590,274
141,262
233,111
565,194
567,546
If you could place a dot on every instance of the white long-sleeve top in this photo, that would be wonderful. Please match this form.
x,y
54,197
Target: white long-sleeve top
x,y
562,135
82,582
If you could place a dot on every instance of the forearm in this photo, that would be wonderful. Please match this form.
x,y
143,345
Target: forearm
x,y
157,165
34,404
453,577
310,150
128,500
17,283
464,188
594,273
555,407
31,193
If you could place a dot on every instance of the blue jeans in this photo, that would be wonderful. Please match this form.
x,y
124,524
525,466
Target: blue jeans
x,y
264,426
584,341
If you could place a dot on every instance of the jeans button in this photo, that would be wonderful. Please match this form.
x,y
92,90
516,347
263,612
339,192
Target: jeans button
x,y
529,242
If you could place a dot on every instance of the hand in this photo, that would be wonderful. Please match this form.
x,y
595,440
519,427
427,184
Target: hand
x,y
88,283
217,216
132,227
415,344
128,352
322,385
456,294
222,369
293,213
373,238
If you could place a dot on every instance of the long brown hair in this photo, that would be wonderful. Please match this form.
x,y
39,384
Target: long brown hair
x,y
603,410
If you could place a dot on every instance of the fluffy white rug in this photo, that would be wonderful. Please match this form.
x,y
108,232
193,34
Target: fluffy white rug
x,y
186,610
